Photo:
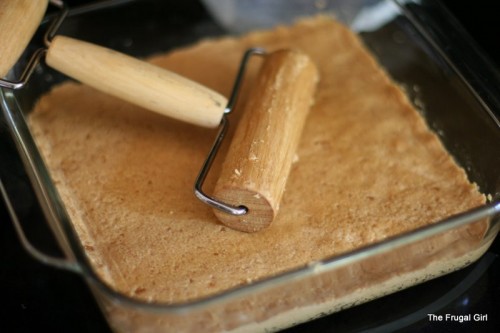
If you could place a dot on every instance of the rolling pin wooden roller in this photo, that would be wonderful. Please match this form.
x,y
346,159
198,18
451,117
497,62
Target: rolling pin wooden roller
x,y
262,151
117,74
259,159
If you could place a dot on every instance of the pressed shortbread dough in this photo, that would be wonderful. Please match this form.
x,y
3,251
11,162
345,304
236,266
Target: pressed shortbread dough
x,y
367,168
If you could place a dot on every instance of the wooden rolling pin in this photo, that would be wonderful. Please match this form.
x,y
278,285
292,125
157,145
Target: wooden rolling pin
x,y
122,76
262,151
19,20
137,82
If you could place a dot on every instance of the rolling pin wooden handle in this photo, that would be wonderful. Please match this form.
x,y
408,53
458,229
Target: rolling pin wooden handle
x,y
19,19
261,153
136,81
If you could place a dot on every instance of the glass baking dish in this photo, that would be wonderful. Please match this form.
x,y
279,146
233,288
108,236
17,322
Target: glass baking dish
x,y
411,40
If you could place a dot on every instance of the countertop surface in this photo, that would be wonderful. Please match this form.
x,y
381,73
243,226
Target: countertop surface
x,y
37,298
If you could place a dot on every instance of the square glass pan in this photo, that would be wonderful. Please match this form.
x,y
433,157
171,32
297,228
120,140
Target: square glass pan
x,y
439,70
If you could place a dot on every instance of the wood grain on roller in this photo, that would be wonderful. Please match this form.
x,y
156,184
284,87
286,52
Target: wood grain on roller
x,y
261,153
136,81
19,19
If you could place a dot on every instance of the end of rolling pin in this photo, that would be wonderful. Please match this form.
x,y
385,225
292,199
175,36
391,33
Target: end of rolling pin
x,y
260,157
19,20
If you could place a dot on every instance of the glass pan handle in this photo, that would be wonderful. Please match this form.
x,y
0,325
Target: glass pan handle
x,y
28,246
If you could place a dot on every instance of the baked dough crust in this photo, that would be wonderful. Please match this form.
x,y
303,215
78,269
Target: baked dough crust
x,y
367,168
